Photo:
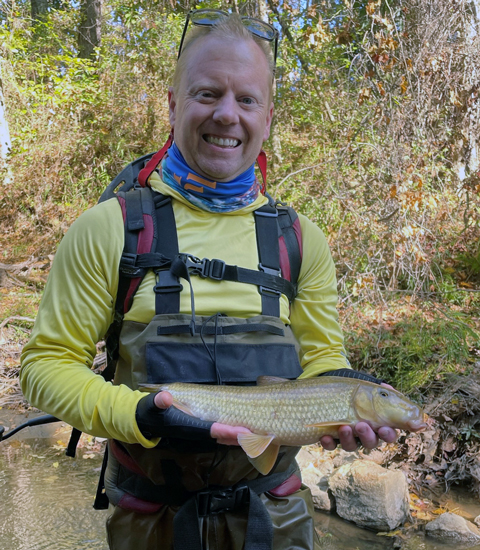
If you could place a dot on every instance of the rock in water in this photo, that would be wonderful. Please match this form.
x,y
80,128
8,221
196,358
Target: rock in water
x,y
453,529
371,496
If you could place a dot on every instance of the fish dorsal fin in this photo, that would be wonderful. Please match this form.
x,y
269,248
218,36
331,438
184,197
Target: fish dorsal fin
x,y
254,444
269,380
182,407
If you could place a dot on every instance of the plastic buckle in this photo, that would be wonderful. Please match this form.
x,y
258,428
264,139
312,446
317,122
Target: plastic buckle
x,y
266,290
166,282
212,269
213,502
269,270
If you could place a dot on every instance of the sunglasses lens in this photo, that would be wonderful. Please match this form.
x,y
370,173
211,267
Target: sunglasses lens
x,y
207,18
260,29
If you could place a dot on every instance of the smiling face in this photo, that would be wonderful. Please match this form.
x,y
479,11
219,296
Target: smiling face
x,y
221,112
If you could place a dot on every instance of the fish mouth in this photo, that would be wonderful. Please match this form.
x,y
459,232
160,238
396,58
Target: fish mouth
x,y
227,143
417,425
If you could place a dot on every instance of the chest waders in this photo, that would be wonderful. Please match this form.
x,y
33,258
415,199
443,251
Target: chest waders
x,y
213,479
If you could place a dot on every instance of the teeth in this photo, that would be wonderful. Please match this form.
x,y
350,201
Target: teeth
x,y
223,142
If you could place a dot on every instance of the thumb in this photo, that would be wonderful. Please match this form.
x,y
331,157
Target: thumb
x,y
163,399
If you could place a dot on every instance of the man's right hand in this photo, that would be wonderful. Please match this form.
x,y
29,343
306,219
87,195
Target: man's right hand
x,y
223,433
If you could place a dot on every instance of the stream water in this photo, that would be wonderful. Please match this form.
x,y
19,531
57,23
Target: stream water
x,y
46,499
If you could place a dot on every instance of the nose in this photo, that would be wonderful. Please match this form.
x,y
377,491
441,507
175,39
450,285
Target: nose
x,y
226,110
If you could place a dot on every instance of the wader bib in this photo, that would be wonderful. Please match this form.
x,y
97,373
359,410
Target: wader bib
x,y
195,495
189,495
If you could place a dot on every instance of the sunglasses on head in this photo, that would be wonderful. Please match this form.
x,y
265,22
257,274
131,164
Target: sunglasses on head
x,y
208,18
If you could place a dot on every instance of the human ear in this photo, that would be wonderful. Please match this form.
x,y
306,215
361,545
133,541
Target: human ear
x,y
172,105
268,123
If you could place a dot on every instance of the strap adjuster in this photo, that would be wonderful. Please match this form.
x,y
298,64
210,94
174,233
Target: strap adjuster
x,y
128,265
213,502
264,290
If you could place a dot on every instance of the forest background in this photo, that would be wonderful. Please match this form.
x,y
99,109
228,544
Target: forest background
x,y
375,138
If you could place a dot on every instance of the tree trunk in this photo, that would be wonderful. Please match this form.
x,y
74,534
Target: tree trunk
x,y
5,142
38,9
89,34
468,148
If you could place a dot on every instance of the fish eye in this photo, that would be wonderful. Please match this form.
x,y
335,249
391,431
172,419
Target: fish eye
x,y
384,393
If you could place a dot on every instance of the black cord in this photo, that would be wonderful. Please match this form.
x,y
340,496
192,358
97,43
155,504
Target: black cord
x,y
213,356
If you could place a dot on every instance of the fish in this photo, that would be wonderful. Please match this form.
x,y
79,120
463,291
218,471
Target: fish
x,y
293,412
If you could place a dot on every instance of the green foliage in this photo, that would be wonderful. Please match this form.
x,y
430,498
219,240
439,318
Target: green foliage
x,y
414,350
369,117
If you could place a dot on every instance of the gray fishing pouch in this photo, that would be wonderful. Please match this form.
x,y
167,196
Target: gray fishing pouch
x,y
217,349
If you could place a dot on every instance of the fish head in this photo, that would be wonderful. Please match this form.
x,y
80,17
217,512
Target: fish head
x,y
382,406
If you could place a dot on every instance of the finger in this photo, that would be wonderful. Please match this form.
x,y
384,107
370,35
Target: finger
x,y
223,433
367,436
389,435
347,438
328,443
163,400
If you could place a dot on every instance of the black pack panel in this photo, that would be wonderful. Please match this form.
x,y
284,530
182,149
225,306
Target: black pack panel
x,y
236,363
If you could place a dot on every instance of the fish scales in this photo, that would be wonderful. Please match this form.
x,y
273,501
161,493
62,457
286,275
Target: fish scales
x,y
287,410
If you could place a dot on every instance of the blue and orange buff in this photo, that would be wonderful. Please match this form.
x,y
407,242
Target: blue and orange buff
x,y
212,196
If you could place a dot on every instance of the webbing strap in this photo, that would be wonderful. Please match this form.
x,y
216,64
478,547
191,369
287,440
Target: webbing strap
x,y
146,172
268,280
258,536
134,221
259,532
266,225
262,165
167,288
286,220
221,330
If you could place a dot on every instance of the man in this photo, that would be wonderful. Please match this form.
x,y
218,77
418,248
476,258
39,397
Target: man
x,y
165,476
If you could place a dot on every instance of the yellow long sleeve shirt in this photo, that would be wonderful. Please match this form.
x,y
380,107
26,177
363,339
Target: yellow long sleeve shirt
x,y
78,304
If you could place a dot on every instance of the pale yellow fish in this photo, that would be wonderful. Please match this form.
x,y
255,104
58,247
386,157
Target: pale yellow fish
x,y
298,412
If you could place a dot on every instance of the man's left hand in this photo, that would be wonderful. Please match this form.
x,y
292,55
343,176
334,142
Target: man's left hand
x,y
348,437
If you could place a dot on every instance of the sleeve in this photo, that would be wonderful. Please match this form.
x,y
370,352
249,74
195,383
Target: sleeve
x,y
314,316
75,312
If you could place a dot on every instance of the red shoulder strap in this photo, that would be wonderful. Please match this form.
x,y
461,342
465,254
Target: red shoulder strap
x,y
147,171
262,164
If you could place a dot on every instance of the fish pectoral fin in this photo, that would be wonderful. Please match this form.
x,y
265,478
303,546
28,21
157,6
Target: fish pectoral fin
x,y
254,444
269,380
182,407
334,424
266,461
